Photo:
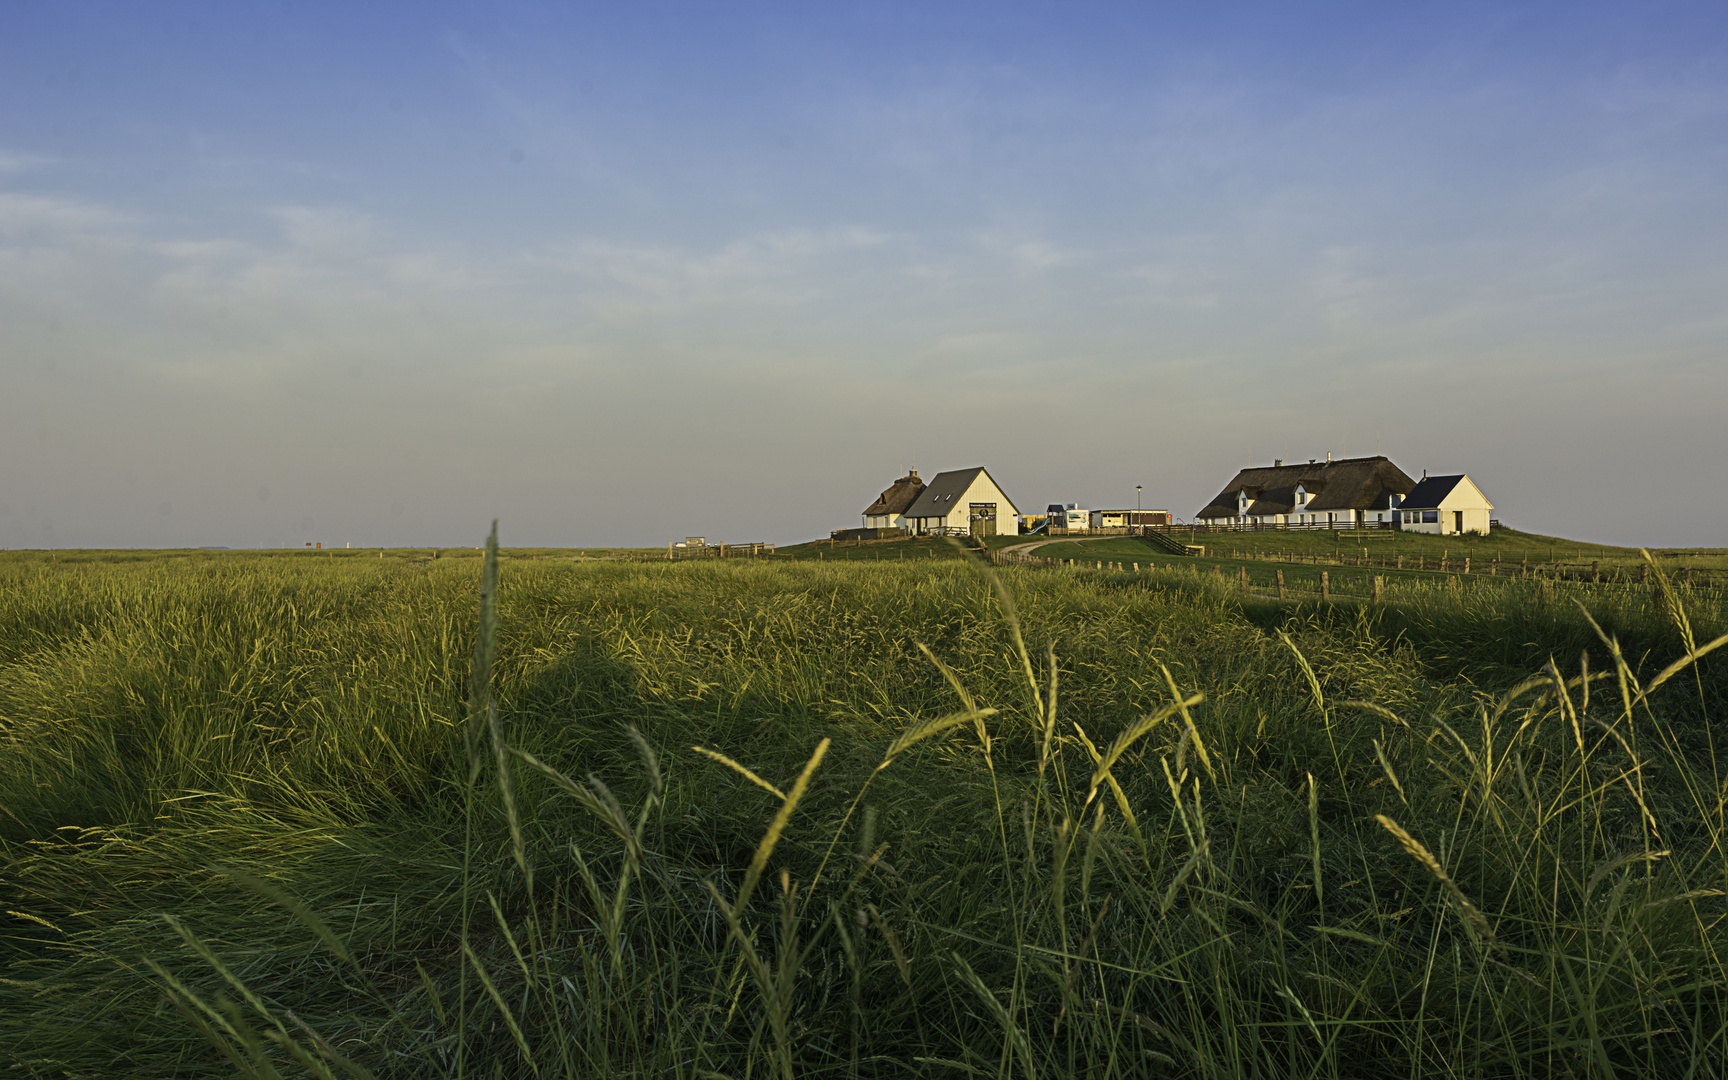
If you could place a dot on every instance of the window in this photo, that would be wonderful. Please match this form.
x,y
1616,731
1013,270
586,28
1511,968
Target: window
x,y
1430,517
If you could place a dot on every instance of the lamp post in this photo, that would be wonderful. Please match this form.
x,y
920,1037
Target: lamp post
x,y
1138,523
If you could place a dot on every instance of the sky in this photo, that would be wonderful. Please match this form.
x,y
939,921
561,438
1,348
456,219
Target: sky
x,y
616,274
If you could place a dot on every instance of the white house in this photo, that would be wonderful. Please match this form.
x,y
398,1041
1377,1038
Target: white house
x,y
1345,494
961,502
1445,505
889,509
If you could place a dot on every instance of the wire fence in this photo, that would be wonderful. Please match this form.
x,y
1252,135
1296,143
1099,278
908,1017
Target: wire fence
x,y
1384,578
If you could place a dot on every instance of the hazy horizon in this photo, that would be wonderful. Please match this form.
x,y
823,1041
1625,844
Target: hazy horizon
x,y
618,275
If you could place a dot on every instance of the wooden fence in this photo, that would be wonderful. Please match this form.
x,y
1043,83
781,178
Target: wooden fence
x,y
720,551
1691,579
1294,526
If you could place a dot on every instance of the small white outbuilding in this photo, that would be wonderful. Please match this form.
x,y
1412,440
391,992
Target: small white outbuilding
x,y
1445,505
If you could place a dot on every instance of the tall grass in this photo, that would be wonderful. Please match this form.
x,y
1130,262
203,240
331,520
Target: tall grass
x,y
732,819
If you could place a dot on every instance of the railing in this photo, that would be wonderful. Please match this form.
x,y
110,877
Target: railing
x,y
1283,526
1294,526
720,551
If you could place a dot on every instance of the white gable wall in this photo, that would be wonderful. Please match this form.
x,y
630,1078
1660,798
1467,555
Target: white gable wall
x,y
984,490
957,512
1464,499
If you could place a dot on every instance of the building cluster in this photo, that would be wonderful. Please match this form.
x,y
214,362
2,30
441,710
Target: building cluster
x,y
961,502
1349,493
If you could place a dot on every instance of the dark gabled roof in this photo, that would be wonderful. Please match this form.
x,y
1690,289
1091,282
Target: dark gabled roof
x,y
897,498
1431,492
1366,483
939,499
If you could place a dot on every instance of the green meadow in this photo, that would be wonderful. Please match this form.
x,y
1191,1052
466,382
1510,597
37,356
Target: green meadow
x,y
339,814
1509,546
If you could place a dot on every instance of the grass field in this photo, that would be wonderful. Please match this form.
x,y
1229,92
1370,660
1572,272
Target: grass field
x,y
1508,545
350,815
915,547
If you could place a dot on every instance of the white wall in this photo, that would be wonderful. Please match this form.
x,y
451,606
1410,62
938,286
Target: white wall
x,y
1465,496
982,490
1475,521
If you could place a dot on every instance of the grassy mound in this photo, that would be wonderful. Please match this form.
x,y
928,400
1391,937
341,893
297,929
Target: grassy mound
x,y
271,816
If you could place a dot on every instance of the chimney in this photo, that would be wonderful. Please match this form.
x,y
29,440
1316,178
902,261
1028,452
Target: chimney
x,y
1424,474
1277,463
1328,457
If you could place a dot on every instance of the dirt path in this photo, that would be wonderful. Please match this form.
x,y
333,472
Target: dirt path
x,y
1036,544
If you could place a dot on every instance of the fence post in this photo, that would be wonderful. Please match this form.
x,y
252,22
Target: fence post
x,y
1217,571
1466,564
1379,587
1326,586
1280,584
1242,576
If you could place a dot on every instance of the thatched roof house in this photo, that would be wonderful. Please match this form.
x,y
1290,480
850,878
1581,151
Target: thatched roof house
x,y
1342,494
886,511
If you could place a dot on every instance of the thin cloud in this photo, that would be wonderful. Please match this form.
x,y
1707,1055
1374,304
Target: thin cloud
x,y
44,219
774,267
13,162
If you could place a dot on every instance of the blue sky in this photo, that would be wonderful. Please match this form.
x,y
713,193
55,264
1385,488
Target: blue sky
x,y
622,273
